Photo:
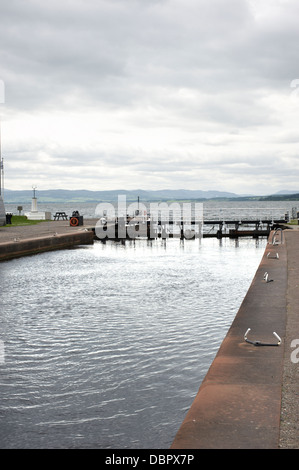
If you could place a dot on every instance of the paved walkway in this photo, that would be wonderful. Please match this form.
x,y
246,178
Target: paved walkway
x,y
43,229
289,428
42,237
249,397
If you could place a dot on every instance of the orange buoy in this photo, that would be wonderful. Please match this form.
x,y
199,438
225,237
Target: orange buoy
x,y
74,221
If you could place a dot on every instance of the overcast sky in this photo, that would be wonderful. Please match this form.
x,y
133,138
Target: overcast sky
x,y
150,94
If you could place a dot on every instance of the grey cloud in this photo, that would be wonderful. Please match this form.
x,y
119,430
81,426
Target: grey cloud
x,y
202,73
59,47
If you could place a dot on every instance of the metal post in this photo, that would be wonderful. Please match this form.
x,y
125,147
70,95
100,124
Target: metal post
x,y
1,162
1,166
1,176
219,232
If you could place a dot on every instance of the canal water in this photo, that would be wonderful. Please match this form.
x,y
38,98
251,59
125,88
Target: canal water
x,y
105,346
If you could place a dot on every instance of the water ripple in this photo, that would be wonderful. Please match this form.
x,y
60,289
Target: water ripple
x,y
106,347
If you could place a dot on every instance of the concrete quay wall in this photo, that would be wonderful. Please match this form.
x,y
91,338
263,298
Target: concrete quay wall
x,y
18,248
238,405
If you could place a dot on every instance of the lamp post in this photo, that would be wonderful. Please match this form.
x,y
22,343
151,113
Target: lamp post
x,y
2,208
1,164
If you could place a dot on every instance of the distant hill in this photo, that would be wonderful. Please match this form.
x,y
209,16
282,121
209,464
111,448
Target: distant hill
x,y
281,197
286,192
64,195
77,196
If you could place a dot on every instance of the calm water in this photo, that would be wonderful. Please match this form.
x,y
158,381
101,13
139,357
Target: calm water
x,y
106,346
211,209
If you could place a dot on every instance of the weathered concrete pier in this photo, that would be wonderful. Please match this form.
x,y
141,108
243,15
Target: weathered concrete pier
x,y
45,236
249,398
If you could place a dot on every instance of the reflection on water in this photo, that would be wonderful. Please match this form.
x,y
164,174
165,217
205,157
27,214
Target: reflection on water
x,y
106,346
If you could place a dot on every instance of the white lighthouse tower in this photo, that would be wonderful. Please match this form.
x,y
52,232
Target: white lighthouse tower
x,y
35,214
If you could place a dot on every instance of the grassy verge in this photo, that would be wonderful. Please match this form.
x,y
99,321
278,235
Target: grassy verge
x,y
19,220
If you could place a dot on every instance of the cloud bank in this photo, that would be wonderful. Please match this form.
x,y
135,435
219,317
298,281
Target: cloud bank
x,y
152,94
